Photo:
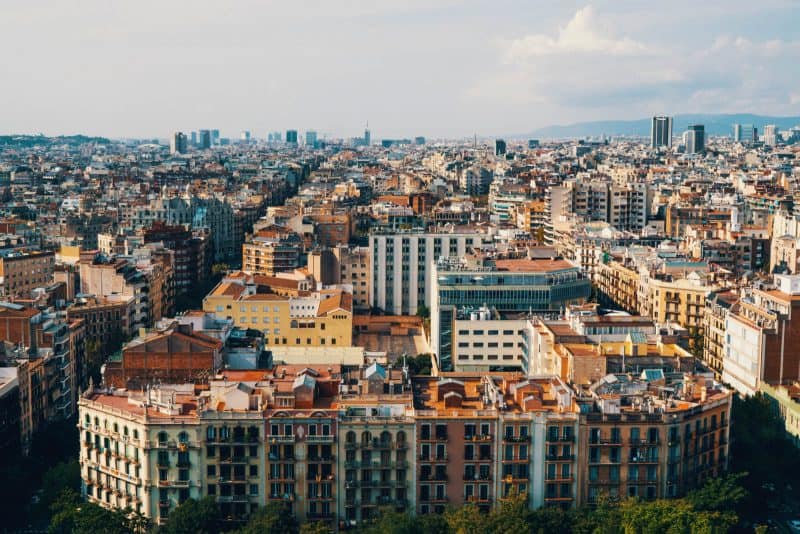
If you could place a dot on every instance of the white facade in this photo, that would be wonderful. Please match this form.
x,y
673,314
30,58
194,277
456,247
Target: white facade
x,y
401,263
483,343
743,355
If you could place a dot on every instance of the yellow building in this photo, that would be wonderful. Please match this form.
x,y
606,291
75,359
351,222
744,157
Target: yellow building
x,y
313,319
271,251
617,285
681,301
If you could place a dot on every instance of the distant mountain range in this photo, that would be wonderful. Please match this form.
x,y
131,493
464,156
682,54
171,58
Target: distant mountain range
x,y
715,124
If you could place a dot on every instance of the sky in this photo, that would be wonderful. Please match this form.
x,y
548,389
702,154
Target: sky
x,y
438,68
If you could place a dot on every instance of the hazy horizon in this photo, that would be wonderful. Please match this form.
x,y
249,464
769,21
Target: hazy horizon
x,y
450,68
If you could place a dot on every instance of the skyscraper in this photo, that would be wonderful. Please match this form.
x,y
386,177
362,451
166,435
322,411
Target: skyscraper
x,y
178,143
499,147
749,134
311,138
291,137
245,136
695,139
205,139
214,137
194,138
737,133
367,137
771,135
661,132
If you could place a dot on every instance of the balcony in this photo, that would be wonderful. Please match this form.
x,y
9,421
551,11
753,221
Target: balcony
x,y
643,460
560,439
319,439
559,478
479,437
173,483
517,439
644,443
564,458
282,439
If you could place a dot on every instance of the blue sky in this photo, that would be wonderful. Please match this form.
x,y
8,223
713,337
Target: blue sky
x,y
416,67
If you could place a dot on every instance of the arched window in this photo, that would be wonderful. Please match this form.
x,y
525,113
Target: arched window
x,y
163,437
386,437
293,324
401,437
183,437
350,437
125,431
211,433
224,433
96,422
366,437
116,428
135,434
87,419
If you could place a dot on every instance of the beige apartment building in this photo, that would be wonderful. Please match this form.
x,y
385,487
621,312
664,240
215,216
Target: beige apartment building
x,y
23,271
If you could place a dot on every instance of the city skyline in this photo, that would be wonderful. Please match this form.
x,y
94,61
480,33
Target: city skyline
x,y
139,72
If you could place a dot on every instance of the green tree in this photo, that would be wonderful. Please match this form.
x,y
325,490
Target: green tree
x,y
60,477
423,312
391,522
72,515
770,477
675,516
467,520
315,527
551,521
513,515
219,269
199,517
432,524
721,494
420,364
274,518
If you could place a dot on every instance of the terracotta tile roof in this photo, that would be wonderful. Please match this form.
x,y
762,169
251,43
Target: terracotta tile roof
x,y
341,301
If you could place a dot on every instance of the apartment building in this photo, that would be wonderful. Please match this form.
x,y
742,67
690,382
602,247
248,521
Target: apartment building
x,y
23,271
107,319
192,254
638,443
120,278
718,306
617,284
542,285
310,319
786,402
335,446
9,412
174,353
45,360
346,266
271,251
400,264
376,435
679,217
760,333
678,300
486,341
141,450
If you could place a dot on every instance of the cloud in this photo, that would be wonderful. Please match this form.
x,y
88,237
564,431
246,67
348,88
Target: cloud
x,y
589,69
583,33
